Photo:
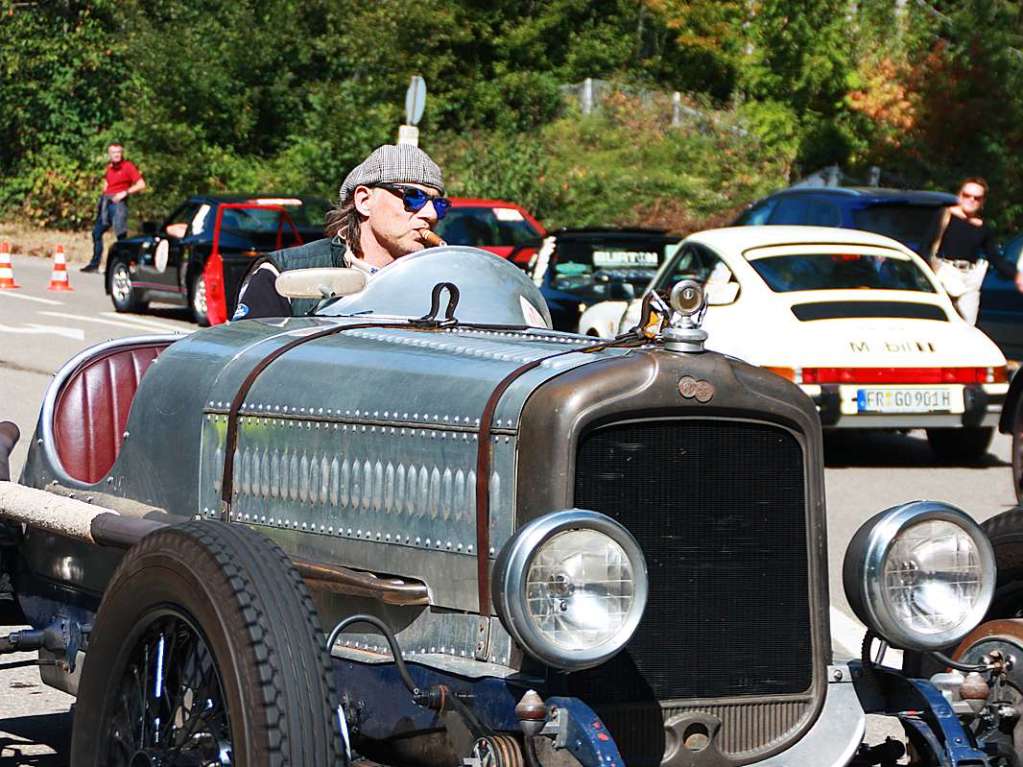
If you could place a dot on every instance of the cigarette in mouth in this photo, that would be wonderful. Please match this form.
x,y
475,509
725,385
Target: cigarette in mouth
x,y
431,239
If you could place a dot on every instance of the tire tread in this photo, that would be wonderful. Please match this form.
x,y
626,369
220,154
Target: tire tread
x,y
278,619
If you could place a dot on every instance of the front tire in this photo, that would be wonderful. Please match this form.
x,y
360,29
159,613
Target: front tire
x,y
207,649
964,445
1017,448
122,290
1005,531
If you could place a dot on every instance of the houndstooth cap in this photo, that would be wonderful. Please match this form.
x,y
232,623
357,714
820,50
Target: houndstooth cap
x,y
393,164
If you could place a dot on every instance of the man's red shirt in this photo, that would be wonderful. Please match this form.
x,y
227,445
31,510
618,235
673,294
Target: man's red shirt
x,y
120,176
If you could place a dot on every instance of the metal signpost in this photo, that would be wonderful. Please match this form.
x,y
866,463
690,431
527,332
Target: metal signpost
x,y
415,101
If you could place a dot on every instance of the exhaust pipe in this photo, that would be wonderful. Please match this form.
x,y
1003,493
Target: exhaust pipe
x,y
88,522
71,518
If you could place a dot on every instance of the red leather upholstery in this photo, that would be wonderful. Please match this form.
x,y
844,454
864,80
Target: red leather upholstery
x,y
92,409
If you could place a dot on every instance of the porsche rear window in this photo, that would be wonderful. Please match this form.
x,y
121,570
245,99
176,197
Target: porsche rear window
x,y
840,271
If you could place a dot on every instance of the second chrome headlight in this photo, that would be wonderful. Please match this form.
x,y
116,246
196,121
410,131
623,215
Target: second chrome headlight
x,y
920,575
571,587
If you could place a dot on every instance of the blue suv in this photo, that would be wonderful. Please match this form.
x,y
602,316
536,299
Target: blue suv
x,y
903,215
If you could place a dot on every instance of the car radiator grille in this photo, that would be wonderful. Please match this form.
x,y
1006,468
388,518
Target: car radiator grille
x,y
719,509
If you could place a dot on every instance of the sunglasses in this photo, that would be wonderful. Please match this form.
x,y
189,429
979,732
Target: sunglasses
x,y
968,196
415,199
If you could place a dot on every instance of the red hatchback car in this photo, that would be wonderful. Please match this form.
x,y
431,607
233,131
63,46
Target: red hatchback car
x,y
503,228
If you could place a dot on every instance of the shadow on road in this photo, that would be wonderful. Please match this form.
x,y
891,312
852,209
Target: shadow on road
x,y
23,738
865,448
165,312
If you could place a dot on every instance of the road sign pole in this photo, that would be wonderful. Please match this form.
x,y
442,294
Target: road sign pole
x,y
408,134
415,102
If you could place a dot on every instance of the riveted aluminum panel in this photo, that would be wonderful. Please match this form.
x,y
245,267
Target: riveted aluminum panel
x,y
439,379
399,375
367,494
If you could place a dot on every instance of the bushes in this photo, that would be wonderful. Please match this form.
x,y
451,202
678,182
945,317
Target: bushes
x,y
624,165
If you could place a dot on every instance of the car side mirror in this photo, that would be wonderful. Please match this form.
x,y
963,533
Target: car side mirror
x,y
721,293
620,291
149,228
320,283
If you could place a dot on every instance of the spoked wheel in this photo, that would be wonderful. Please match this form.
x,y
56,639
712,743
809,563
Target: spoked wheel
x,y
207,651
169,707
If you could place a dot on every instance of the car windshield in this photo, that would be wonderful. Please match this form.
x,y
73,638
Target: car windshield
x,y
305,212
909,224
580,264
840,271
484,226
262,228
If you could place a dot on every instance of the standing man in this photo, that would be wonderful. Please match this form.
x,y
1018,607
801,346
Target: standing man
x,y
122,179
386,209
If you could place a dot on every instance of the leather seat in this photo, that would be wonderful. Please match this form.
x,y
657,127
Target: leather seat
x,y
92,409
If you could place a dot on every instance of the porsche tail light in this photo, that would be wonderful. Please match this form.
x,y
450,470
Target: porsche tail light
x,y
932,375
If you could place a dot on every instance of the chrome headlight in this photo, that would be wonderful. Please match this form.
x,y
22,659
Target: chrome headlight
x,y
571,587
920,575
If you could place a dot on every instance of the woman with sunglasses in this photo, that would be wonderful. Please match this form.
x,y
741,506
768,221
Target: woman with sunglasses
x,y
387,208
961,247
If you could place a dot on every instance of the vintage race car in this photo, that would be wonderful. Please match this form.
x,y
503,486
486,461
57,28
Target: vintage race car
x,y
419,528
198,256
857,320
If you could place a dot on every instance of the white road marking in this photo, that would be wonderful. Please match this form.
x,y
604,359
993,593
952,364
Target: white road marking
x,y
122,323
23,297
34,329
847,633
149,323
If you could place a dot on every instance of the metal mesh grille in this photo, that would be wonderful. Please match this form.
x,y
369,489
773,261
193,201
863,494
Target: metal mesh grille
x,y
719,510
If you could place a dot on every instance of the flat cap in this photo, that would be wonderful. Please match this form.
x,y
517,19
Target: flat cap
x,y
393,164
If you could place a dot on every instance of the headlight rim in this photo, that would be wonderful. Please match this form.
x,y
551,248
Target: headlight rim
x,y
875,538
509,583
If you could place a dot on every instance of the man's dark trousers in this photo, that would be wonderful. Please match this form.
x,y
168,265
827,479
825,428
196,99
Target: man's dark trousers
x,y
108,214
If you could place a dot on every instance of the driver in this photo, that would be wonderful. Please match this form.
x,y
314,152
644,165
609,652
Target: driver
x,y
386,207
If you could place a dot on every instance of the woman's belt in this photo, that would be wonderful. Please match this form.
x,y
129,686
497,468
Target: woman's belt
x,y
960,263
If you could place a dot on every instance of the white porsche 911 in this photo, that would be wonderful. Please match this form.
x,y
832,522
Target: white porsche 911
x,y
856,319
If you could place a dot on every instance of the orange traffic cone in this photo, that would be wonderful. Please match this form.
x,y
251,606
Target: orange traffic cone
x,y
6,268
58,277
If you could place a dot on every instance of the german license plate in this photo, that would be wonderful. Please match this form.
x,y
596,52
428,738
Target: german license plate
x,y
903,400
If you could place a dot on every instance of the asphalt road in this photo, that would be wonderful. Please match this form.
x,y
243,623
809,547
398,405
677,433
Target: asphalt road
x,y
39,330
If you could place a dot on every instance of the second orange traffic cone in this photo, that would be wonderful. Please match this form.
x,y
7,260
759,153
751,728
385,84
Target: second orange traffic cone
x,y
6,268
58,276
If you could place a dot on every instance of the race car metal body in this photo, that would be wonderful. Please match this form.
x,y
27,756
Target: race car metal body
x,y
523,539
